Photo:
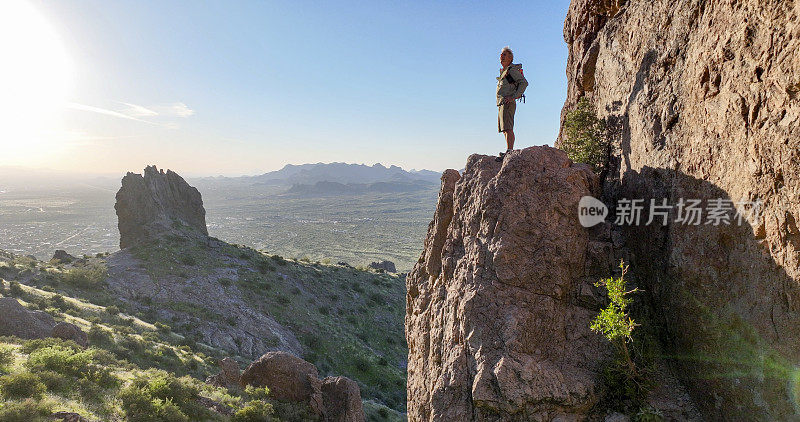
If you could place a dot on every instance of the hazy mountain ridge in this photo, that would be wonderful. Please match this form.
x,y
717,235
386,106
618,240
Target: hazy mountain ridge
x,y
309,174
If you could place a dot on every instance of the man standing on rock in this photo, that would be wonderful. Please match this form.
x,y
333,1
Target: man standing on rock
x,y
511,85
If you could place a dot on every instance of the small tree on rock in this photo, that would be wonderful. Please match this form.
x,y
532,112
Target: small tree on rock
x,y
585,139
614,322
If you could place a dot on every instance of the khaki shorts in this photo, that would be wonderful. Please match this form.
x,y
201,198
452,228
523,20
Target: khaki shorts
x,y
505,116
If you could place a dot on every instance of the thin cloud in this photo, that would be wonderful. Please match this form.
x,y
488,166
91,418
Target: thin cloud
x,y
135,111
98,110
138,111
175,109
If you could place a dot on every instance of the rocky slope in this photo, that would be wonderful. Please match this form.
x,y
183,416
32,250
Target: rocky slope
x,y
126,368
703,99
344,320
495,324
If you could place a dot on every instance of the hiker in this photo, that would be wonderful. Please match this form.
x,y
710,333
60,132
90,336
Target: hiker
x,y
511,85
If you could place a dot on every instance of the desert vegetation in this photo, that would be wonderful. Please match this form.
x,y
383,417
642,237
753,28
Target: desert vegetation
x,y
585,139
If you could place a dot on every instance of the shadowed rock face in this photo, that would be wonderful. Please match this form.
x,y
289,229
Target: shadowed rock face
x,y
704,101
15,320
342,399
155,203
493,326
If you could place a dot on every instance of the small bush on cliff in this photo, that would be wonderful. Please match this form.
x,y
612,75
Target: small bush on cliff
x,y
585,139
623,379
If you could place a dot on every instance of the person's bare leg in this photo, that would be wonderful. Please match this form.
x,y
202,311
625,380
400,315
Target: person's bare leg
x,y
509,138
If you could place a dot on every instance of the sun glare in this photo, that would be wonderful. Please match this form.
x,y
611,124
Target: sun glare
x,y
35,79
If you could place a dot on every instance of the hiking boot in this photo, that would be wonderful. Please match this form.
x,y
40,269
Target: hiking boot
x,y
502,155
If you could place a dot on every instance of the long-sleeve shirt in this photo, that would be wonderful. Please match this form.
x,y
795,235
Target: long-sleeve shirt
x,y
506,88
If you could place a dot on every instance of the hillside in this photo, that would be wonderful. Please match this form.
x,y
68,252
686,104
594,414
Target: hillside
x,y
137,338
217,300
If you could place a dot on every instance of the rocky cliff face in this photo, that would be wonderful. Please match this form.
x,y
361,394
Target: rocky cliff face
x,y
494,324
704,101
156,203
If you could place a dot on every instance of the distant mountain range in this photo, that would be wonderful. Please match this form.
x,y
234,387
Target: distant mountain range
x,y
303,178
343,173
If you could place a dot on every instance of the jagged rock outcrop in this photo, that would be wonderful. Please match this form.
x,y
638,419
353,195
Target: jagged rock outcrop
x,y
229,376
158,202
494,326
15,320
703,99
342,399
385,265
69,331
289,378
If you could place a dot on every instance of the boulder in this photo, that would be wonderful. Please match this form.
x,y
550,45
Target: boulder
x,y
492,328
157,203
68,331
342,400
288,377
63,256
16,320
387,266
229,376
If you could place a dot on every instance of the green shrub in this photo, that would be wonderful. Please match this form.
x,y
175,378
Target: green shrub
x,y
140,406
188,260
613,321
625,385
98,335
58,302
254,411
585,139
293,411
6,356
22,385
63,360
264,266
15,289
29,410
29,346
159,396
112,310
362,364
85,277
54,381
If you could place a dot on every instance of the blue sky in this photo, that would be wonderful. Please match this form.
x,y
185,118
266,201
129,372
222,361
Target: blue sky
x,y
246,87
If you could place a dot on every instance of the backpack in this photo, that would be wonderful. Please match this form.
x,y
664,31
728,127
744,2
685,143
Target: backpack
x,y
513,82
